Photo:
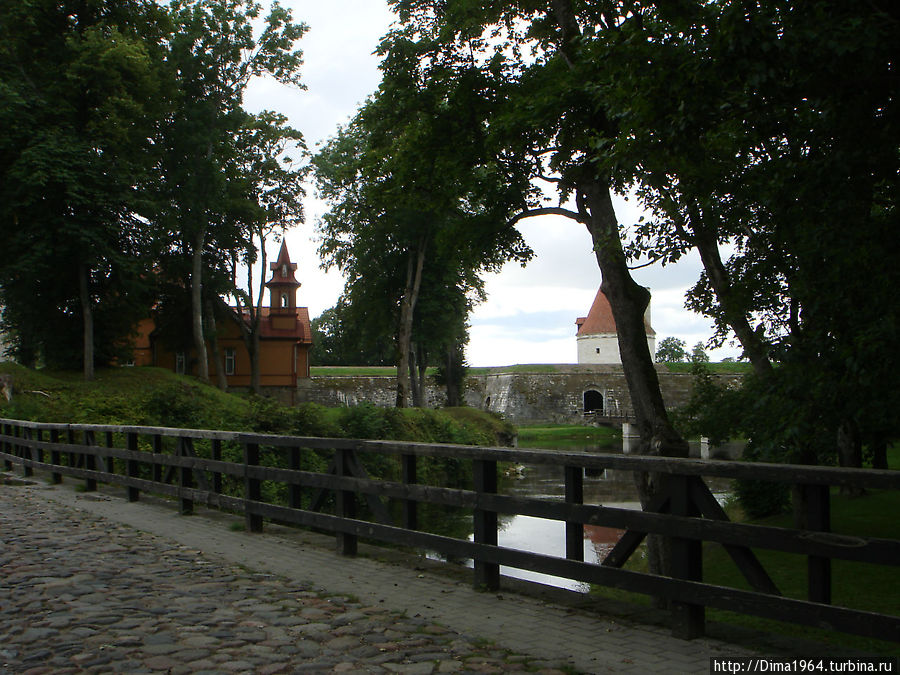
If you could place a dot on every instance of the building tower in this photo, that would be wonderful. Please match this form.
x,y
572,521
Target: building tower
x,y
283,285
597,337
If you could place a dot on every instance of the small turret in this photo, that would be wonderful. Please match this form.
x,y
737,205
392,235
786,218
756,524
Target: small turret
x,y
283,285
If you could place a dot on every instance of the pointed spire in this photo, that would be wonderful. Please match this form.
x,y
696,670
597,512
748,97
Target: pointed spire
x,y
283,268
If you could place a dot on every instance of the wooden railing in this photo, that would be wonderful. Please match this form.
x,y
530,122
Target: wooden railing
x,y
188,465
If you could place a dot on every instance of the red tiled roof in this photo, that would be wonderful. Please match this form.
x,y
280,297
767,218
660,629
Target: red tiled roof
x,y
600,318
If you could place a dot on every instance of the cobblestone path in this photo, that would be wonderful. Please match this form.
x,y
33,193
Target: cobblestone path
x,y
85,595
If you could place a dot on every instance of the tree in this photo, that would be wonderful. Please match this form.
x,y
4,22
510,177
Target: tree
x,y
214,53
698,354
751,117
79,86
269,201
541,62
415,194
344,336
671,350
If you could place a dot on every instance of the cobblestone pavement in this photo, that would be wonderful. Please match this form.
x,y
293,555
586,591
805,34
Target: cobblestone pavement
x,y
82,594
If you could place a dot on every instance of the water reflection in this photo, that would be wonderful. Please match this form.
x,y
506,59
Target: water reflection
x,y
607,487
613,488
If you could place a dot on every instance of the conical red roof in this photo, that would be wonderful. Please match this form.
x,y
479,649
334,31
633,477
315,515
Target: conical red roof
x,y
600,318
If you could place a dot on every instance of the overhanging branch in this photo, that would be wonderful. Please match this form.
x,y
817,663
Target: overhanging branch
x,y
547,211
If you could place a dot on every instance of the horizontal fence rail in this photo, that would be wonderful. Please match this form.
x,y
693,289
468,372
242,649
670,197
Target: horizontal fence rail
x,y
323,483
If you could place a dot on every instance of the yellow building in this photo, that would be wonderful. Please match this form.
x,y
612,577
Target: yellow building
x,y
284,341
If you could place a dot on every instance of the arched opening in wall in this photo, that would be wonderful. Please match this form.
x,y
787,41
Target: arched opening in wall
x,y
593,402
487,403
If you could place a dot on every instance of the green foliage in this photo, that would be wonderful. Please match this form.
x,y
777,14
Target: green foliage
x,y
419,207
760,499
762,136
698,354
177,405
344,336
122,146
671,350
79,90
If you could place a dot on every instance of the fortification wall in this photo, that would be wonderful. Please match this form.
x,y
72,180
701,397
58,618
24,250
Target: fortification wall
x,y
560,396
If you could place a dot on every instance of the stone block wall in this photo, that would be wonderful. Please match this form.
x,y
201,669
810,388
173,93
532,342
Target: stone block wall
x,y
549,397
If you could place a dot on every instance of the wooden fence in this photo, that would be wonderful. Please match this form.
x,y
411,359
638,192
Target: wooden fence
x,y
188,465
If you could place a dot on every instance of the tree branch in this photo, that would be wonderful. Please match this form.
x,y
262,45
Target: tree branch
x,y
547,211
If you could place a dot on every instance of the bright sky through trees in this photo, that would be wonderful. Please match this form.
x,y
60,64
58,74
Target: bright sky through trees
x,y
530,313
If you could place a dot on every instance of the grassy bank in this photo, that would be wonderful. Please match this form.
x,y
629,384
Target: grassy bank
x,y
723,368
860,586
539,435
157,397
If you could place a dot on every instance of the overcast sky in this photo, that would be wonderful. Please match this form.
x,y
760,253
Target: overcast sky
x,y
530,313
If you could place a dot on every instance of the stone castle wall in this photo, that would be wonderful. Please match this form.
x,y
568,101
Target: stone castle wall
x,y
551,397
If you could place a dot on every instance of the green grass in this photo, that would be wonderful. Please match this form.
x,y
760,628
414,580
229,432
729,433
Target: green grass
x,y
519,368
353,371
567,434
140,396
717,367
861,586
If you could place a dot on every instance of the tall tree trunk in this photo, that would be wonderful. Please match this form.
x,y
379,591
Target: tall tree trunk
x,y
752,343
627,299
87,317
415,262
254,360
422,372
197,305
629,302
254,312
414,392
221,379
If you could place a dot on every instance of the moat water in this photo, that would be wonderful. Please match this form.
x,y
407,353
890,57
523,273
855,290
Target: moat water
x,y
608,488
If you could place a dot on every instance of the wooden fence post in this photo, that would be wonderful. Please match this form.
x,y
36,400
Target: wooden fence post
x,y
55,457
487,575
688,619
345,502
410,506
217,456
185,476
73,458
39,451
110,460
90,461
252,488
23,450
27,471
295,492
157,450
133,467
574,476
818,517
7,447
